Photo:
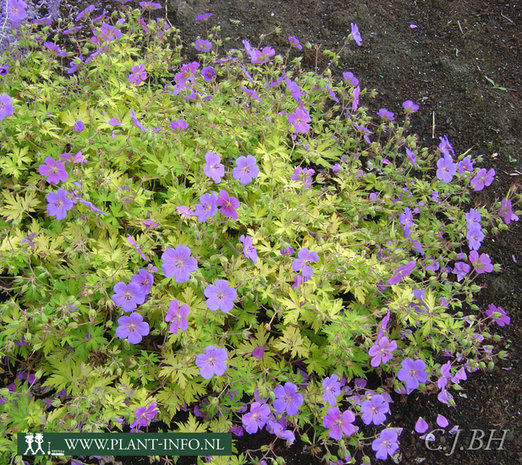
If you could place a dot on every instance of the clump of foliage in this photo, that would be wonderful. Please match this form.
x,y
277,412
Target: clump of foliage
x,y
232,241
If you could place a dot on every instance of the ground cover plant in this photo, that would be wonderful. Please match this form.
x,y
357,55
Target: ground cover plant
x,y
231,237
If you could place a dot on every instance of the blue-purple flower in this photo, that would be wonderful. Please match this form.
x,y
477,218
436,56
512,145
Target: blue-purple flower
x,y
446,168
6,106
256,418
249,249
132,327
138,74
213,168
386,444
178,316
374,410
220,296
207,207
331,389
178,263
356,35
287,399
58,204
412,372
246,169
128,296
202,45
212,362
303,260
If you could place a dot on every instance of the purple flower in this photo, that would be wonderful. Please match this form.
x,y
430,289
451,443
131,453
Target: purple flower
x,y
374,410
246,169
355,94
258,352
305,257
213,167
332,388
128,296
186,211
212,362
410,107
475,237
473,218
206,208
445,147
506,211
179,125
136,121
483,179
350,79
16,11
251,93
264,55
54,170
412,157
105,33
178,263
356,35
138,74
446,168
6,106
58,204
249,248
386,115
481,263
186,73
406,218
386,444
85,11
132,327
287,251
4,69
304,175
115,122
294,42
256,418
203,17
178,316
227,204
413,373
382,351
299,119
465,165
220,296
402,272
287,399
498,315
144,415
79,126
150,5
461,270
421,426
208,73
144,280
202,45
338,423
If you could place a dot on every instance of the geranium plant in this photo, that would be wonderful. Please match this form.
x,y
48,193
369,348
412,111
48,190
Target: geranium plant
x,y
230,240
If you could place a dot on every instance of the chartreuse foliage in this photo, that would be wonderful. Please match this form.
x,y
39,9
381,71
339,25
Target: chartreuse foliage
x,y
58,317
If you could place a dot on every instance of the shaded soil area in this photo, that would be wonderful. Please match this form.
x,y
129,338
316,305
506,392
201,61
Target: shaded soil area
x,y
461,63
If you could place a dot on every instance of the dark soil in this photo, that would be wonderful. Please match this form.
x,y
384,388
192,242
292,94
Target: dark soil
x,y
442,64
